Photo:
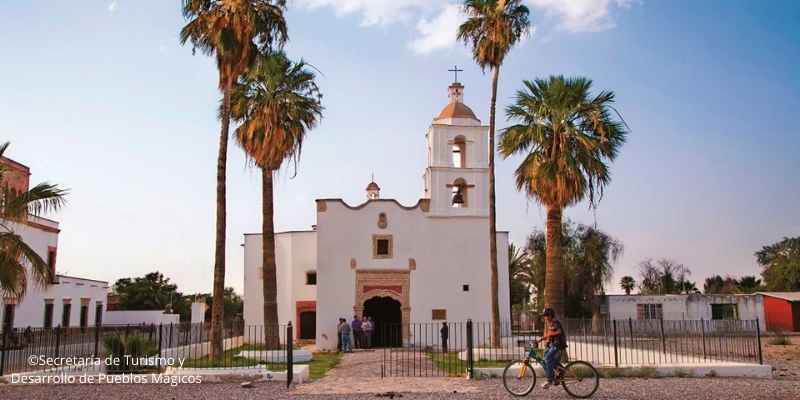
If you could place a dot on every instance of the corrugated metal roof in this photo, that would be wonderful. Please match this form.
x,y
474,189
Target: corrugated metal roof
x,y
788,296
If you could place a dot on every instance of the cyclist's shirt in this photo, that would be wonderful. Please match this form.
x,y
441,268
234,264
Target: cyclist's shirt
x,y
558,341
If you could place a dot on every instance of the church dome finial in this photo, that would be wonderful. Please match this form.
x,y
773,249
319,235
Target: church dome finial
x,y
373,190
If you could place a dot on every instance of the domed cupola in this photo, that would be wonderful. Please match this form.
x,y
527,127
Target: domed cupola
x,y
456,112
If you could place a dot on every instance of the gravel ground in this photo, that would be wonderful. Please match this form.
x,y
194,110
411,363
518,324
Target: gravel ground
x,y
617,389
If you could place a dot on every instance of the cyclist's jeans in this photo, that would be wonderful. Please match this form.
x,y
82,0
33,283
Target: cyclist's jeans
x,y
550,361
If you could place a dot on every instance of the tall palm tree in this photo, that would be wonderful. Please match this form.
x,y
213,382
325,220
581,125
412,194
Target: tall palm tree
x,y
568,137
276,103
627,283
233,31
16,256
492,28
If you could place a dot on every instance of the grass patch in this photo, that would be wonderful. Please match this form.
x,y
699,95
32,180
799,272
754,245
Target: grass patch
x,y
681,373
322,363
229,359
450,364
642,372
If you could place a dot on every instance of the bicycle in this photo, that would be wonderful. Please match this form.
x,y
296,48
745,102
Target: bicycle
x,y
578,378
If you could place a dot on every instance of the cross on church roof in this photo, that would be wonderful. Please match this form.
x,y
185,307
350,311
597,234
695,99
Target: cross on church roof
x,y
456,71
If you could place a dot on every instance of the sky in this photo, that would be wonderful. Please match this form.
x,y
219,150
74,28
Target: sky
x,y
100,97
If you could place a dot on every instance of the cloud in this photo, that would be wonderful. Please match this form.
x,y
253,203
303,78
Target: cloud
x,y
581,15
435,22
439,32
112,7
375,12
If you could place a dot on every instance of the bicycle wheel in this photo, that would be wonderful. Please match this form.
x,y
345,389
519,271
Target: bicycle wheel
x,y
519,378
580,379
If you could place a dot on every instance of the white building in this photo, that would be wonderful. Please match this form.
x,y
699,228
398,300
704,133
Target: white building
x,y
69,301
686,307
395,263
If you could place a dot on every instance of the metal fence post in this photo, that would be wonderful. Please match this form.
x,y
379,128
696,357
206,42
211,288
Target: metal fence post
x,y
703,332
96,339
289,355
663,340
3,352
160,338
58,340
470,351
616,352
758,341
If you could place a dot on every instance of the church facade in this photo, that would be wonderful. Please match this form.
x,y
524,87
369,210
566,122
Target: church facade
x,y
395,263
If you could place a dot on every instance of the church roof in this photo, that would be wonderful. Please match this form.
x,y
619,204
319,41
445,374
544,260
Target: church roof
x,y
456,109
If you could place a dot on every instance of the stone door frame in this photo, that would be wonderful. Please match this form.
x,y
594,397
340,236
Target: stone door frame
x,y
392,283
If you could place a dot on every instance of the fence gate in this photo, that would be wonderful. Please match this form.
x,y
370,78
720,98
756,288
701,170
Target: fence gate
x,y
431,349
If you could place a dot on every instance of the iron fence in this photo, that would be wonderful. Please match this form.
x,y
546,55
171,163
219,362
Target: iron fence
x,y
183,345
420,349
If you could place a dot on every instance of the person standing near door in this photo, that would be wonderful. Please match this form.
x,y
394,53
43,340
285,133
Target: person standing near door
x,y
366,326
358,332
445,332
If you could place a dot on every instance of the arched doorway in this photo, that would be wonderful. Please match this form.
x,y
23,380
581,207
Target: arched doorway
x,y
387,316
308,325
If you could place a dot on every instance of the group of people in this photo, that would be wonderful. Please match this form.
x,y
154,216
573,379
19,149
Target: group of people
x,y
356,334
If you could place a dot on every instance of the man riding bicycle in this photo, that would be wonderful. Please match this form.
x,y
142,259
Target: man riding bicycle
x,y
556,342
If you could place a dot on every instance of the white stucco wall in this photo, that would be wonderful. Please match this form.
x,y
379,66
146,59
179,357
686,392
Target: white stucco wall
x,y
448,252
687,307
296,254
29,311
138,317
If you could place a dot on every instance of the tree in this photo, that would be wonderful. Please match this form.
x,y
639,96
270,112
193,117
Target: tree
x,y
781,265
588,258
719,285
276,103
568,138
749,284
627,283
234,305
153,291
16,208
492,28
234,31
520,274
595,256
664,276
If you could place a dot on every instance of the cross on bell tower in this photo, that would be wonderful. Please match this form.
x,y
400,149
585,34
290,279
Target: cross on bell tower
x,y
455,70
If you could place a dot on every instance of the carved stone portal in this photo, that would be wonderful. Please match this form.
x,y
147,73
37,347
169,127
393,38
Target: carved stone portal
x,y
394,284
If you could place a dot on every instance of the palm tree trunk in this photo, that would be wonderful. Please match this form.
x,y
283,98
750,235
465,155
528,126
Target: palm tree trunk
x,y
493,216
554,276
269,284
218,300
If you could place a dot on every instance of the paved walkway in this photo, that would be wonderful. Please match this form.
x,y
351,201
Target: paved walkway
x,y
360,372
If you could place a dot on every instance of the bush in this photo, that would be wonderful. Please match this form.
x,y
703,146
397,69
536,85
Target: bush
x,y
779,340
135,347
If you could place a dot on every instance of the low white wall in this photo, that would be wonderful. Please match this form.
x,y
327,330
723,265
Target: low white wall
x,y
140,317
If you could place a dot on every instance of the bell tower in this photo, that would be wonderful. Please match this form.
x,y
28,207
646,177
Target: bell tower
x,y
457,175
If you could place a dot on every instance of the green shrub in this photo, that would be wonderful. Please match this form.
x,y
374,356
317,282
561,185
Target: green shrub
x,y
135,347
681,373
779,340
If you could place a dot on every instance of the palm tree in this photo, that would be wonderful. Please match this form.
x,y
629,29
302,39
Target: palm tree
x,y
594,261
492,28
234,31
519,269
627,283
568,138
276,103
16,208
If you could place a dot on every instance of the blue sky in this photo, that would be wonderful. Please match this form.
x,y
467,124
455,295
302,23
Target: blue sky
x,y
100,97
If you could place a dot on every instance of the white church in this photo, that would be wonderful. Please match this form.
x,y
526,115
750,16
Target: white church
x,y
392,262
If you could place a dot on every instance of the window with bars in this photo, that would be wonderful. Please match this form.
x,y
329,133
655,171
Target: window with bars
x,y
649,311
